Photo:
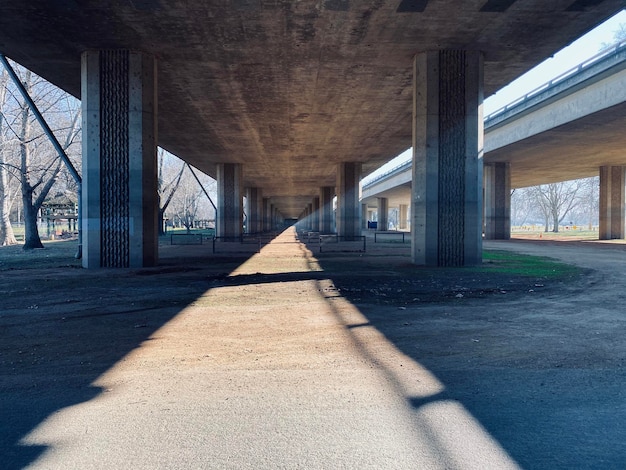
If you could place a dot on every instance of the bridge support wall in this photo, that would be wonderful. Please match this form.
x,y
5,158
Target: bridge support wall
x,y
446,202
497,177
119,197
611,202
229,200
348,206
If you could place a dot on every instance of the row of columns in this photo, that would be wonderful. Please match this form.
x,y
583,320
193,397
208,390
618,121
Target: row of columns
x,y
120,198
120,203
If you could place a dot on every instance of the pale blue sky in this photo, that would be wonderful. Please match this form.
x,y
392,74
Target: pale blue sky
x,y
567,58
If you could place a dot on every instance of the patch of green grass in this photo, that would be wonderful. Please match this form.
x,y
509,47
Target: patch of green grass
x,y
54,254
526,265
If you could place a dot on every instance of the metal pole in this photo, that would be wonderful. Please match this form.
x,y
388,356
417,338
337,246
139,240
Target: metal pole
x,y
202,187
40,118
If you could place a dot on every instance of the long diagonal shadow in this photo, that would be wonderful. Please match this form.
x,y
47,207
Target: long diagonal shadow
x,y
61,328
544,412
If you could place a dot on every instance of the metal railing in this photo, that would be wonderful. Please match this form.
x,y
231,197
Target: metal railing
x,y
603,55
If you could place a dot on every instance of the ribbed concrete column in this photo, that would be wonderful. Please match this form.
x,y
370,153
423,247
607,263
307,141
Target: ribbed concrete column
x,y
348,207
254,202
229,200
267,215
403,216
326,209
446,203
383,214
497,177
119,197
611,202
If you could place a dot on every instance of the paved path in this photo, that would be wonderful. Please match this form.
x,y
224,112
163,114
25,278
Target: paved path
x,y
263,374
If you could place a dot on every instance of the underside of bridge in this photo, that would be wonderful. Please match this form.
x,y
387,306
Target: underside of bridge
x,y
283,93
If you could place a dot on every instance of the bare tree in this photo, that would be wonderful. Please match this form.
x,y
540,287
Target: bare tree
x,y
39,164
556,200
168,183
523,207
7,237
619,35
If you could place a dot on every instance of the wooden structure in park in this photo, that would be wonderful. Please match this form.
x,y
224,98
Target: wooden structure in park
x,y
54,211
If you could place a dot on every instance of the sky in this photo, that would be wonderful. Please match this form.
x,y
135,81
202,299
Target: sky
x,y
567,58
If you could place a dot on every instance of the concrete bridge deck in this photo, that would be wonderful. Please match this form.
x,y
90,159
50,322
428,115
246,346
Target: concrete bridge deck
x,y
290,360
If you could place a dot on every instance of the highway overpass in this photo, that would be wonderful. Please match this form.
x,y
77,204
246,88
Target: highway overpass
x,y
571,127
286,102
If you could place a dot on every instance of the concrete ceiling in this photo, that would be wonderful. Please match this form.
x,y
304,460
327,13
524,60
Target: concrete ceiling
x,y
289,88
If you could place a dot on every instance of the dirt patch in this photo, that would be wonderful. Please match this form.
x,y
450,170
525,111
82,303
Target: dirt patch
x,y
530,346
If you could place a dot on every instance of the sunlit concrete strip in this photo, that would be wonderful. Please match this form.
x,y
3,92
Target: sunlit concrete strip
x,y
458,439
267,375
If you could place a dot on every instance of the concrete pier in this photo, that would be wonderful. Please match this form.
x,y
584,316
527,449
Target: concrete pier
x,y
326,209
383,214
446,200
230,200
120,205
497,177
348,206
611,202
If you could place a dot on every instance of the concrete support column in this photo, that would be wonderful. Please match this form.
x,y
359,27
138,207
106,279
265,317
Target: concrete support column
x,y
326,209
273,217
403,216
611,202
348,207
229,200
315,222
446,203
383,214
497,177
254,201
364,216
119,196
309,218
267,215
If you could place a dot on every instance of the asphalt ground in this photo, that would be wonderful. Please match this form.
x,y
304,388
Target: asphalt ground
x,y
293,359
